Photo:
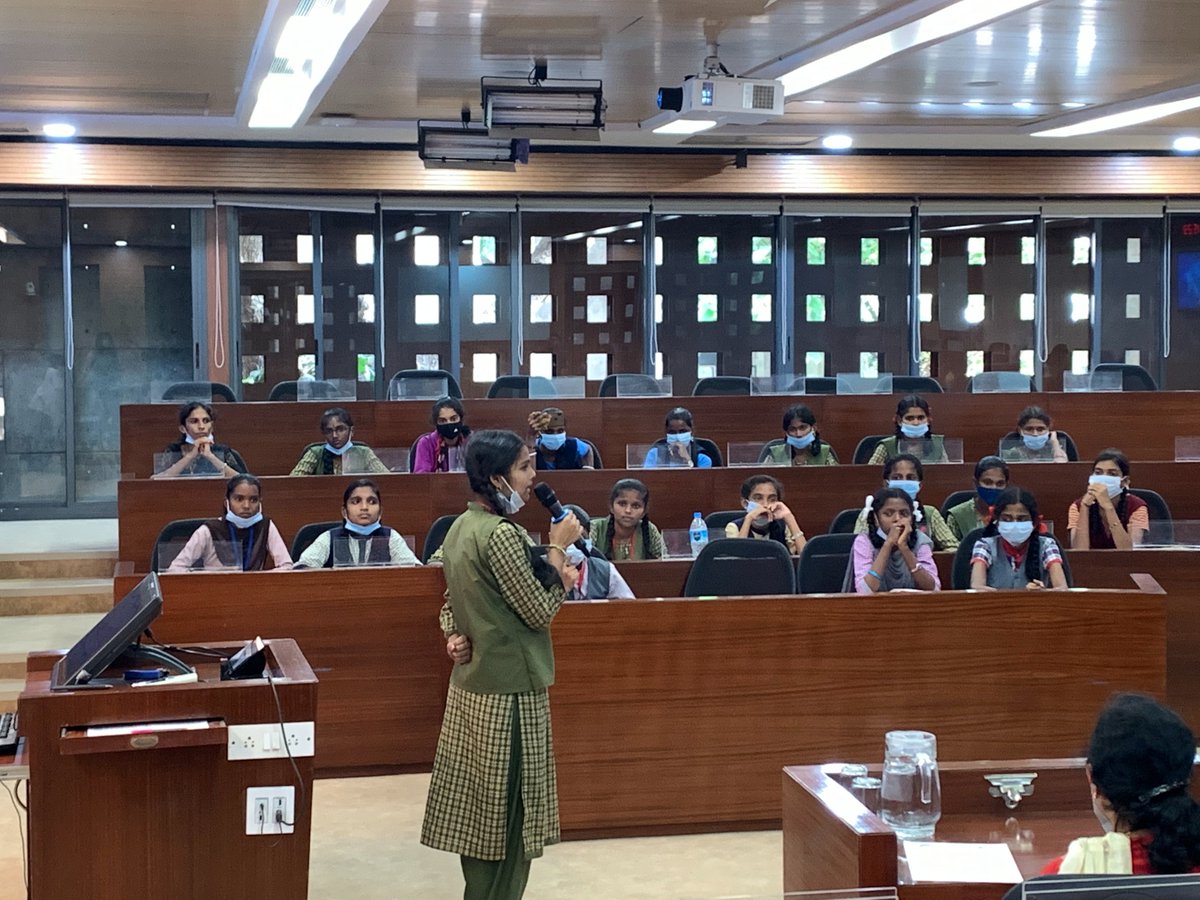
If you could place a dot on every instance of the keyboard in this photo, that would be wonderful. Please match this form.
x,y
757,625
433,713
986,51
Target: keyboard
x,y
8,732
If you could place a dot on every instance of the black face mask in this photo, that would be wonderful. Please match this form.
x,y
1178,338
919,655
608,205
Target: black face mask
x,y
451,430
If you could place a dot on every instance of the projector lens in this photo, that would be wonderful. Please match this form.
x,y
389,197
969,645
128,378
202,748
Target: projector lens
x,y
670,98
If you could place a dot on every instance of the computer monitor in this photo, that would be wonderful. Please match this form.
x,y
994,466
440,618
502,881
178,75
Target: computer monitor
x,y
110,637
1107,887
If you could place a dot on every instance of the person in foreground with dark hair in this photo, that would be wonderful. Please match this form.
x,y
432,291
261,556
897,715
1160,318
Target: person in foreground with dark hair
x,y
199,453
241,539
331,457
1014,553
1139,767
362,539
493,797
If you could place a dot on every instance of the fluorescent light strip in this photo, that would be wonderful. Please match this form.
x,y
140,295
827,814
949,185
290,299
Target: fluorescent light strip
x,y
685,126
1122,119
953,19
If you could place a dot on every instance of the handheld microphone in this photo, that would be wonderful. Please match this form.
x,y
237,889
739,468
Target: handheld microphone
x,y
549,499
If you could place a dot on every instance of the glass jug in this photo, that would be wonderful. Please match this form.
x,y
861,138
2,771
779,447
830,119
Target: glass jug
x,y
911,797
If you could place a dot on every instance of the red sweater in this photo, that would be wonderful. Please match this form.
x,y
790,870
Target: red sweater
x,y
1139,854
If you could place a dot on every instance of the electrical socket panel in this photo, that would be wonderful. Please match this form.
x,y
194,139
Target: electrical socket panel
x,y
266,741
271,810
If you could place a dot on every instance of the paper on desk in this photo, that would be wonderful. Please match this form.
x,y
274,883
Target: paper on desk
x,y
947,861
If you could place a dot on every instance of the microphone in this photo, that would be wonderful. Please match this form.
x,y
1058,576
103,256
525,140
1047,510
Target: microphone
x,y
549,499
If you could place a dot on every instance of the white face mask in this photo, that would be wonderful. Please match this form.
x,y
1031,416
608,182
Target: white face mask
x,y
1102,815
574,556
188,439
1112,483
338,451
242,521
510,504
758,519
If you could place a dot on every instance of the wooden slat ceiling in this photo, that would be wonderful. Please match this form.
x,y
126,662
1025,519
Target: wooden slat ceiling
x,y
148,68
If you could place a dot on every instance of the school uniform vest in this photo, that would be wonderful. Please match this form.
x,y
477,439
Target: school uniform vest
x,y
341,540
932,448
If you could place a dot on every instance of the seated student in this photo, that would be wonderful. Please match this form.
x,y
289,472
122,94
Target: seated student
x,y
905,473
1139,766
1038,442
362,540
991,477
243,538
892,555
803,445
327,458
598,578
1014,553
912,427
767,518
444,448
626,533
553,449
678,448
200,454
1116,519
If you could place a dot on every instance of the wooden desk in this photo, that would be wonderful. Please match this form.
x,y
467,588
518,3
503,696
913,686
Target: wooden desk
x,y
412,502
678,715
270,436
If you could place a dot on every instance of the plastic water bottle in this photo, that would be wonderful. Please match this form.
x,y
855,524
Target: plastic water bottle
x,y
698,533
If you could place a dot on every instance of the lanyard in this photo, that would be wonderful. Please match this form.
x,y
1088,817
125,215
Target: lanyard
x,y
246,550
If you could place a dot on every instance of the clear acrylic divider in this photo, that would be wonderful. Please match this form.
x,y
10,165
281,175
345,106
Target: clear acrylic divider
x,y
636,454
170,548
748,454
1014,450
853,383
563,387
1105,887
644,386
457,458
865,893
678,543
411,540
1092,382
1001,383
923,450
777,384
1180,534
200,467
431,388
200,392
331,389
358,462
1187,449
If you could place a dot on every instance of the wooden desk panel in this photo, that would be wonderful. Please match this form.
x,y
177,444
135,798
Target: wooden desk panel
x,y
270,436
412,502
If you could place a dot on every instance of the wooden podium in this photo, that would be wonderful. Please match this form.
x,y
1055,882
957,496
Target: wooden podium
x,y
162,813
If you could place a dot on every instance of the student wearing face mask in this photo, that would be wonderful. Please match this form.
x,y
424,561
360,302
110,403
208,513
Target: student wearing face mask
x,y
338,450
905,473
913,434
1038,442
241,539
1116,519
199,453
362,539
492,796
553,449
767,517
444,448
991,477
1139,767
892,555
678,448
1014,552
802,444
598,578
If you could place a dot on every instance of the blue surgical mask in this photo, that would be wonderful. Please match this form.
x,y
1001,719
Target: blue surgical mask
x,y
1111,482
988,494
587,542
574,556
1016,533
761,520
1035,441
914,431
883,535
801,442
511,503
338,451
242,521
553,441
188,439
364,530
684,437
912,488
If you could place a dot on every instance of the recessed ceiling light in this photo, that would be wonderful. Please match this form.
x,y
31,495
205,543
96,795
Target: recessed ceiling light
x,y
58,130
1187,144
1023,104
685,126
121,243
837,142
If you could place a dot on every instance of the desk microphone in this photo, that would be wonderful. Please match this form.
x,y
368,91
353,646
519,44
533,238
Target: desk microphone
x,y
549,499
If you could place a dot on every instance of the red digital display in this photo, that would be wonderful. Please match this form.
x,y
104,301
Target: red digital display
x,y
1191,229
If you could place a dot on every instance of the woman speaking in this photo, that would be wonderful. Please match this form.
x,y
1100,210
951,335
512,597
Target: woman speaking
x,y
493,796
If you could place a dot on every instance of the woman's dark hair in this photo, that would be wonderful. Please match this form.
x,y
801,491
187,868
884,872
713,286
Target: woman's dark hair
x,y
1033,412
185,410
681,413
628,484
242,478
1095,519
907,402
805,415
755,480
356,484
1033,554
444,402
882,496
491,453
890,464
1141,755
990,462
336,412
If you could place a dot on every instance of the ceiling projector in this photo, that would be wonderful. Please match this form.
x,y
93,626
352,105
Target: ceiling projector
x,y
728,98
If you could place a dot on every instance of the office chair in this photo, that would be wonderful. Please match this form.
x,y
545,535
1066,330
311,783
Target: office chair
x,y
822,566
316,390
721,386
307,534
199,390
435,536
732,567
176,533
915,384
843,522
642,384
396,384
960,570
862,453
1133,378
517,387
1162,526
999,382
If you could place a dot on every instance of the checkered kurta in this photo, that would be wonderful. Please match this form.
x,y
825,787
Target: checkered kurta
x,y
466,809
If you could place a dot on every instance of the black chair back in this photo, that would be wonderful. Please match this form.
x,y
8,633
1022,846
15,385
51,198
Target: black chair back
x,y
1065,441
766,448
1106,887
721,385
816,385
843,522
823,561
711,449
953,500
734,567
518,386
597,461
642,384
1162,527
316,390
174,532
960,570
307,534
915,384
716,521
435,536
862,453
452,388
1133,378
199,390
